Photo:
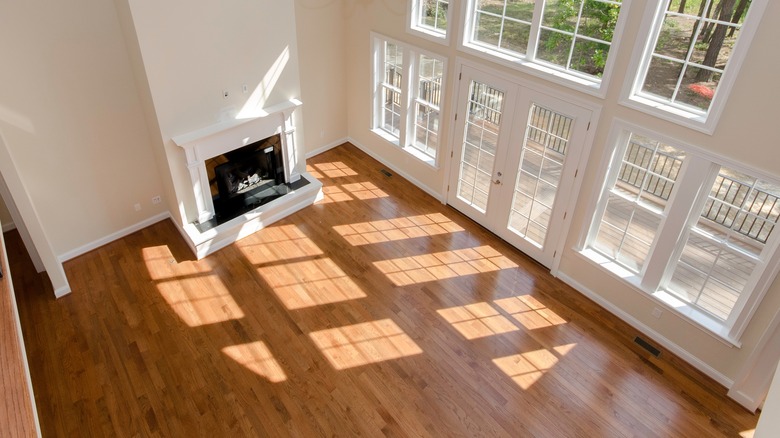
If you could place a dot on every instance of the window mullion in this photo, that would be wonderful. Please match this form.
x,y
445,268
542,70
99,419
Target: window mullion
x,y
691,189
536,24
410,70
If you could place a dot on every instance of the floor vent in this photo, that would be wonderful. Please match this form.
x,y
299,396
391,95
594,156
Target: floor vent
x,y
386,173
644,344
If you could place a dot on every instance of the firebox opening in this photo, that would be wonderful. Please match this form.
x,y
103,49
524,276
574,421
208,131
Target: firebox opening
x,y
246,178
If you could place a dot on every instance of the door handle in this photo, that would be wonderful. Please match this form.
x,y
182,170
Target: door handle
x,y
498,181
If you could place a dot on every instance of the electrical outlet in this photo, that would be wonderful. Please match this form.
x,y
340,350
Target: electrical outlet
x,y
225,94
657,313
137,207
156,200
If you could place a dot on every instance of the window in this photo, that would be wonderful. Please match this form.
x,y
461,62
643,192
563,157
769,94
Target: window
x,y
430,18
392,75
726,242
694,233
427,104
572,37
635,200
690,61
408,98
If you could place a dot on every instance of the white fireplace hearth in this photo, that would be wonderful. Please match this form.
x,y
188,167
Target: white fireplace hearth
x,y
205,235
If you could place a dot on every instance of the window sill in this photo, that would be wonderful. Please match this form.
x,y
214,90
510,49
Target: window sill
x,y
428,34
408,149
416,153
680,116
695,317
540,70
386,136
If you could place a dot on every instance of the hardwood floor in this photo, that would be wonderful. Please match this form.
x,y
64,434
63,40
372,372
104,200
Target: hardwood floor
x,y
377,311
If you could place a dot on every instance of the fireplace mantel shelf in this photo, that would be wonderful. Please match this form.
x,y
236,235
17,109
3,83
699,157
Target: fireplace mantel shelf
x,y
191,137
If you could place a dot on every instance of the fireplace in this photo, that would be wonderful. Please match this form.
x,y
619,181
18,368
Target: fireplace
x,y
244,175
245,178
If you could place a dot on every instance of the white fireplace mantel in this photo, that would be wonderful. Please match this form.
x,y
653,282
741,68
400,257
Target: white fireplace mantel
x,y
214,140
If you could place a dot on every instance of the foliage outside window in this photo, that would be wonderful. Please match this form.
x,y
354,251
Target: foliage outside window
x,y
408,97
698,235
574,36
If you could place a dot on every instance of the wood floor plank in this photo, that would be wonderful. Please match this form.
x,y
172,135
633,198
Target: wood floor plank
x,y
375,312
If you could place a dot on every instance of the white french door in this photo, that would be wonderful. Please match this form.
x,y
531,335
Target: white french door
x,y
515,161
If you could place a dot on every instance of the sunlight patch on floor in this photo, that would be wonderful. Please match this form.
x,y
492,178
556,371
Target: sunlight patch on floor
x,y
334,169
256,357
477,320
200,300
364,233
285,242
331,194
365,190
310,283
362,344
161,264
530,312
747,433
527,368
443,265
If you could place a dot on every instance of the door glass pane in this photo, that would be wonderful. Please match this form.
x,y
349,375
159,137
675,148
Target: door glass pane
x,y
478,154
544,149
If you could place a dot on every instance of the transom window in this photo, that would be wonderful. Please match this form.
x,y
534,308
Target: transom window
x,y
408,97
691,59
698,235
572,36
430,18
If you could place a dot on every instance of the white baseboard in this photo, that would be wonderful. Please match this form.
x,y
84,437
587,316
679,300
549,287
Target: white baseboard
x,y
327,147
110,238
652,334
8,227
439,196
63,291
746,400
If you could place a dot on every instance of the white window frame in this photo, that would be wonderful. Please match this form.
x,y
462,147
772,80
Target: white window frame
x,y
413,26
633,97
541,69
692,186
409,99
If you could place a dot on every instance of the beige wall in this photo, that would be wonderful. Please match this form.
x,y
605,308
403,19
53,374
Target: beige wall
x,y
322,54
71,116
769,423
746,125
